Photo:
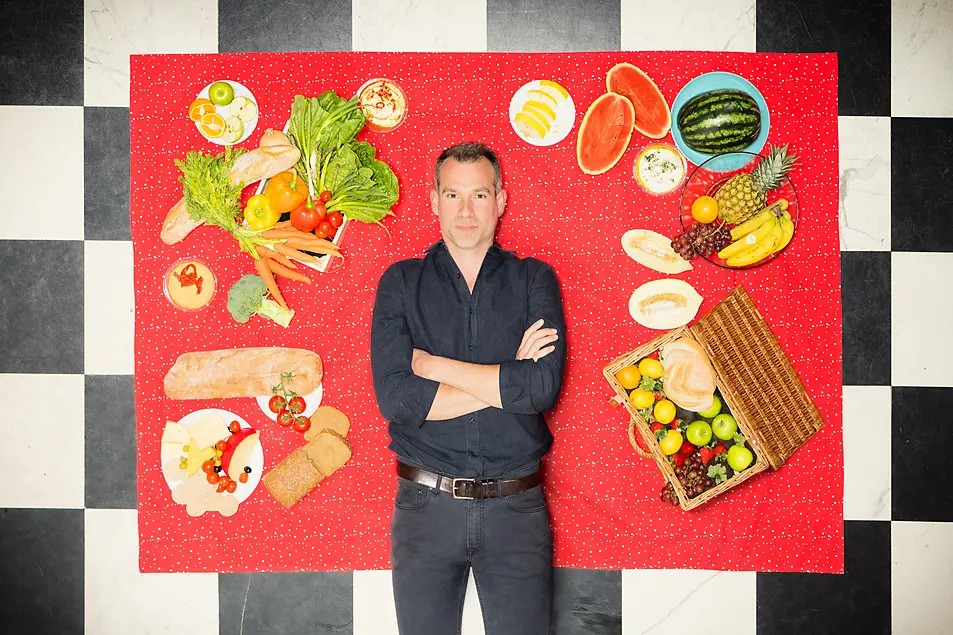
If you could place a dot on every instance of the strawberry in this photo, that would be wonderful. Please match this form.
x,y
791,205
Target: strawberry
x,y
678,458
687,448
706,454
719,449
674,424
655,427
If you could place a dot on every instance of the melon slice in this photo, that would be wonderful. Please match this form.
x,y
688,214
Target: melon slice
x,y
654,251
664,304
652,115
604,133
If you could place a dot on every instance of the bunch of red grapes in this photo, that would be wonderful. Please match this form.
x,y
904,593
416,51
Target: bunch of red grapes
x,y
705,239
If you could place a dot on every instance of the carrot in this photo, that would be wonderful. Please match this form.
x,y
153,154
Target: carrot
x,y
313,247
291,252
316,243
264,252
264,270
285,224
285,272
279,234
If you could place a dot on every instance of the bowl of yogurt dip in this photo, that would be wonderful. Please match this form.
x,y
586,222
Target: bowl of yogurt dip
x,y
189,285
660,169
383,103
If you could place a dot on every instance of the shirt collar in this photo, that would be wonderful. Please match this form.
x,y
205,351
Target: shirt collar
x,y
495,248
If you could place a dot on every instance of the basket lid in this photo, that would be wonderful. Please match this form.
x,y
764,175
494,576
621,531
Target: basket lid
x,y
757,377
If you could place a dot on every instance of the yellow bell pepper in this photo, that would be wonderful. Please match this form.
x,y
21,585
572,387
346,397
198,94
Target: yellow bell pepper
x,y
260,214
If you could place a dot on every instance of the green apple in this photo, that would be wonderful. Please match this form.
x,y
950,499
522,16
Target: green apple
x,y
739,458
234,129
698,433
714,410
221,93
724,426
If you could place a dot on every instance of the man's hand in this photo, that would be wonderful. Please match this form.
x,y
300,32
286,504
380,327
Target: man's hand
x,y
536,342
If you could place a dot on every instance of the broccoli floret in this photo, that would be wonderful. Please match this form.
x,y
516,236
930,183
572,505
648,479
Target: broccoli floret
x,y
247,298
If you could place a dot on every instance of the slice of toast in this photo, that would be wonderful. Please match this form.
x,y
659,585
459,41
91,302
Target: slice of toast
x,y
328,451
293,478
328,418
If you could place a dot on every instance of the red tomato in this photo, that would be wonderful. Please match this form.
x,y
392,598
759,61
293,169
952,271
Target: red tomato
x,y
325,196
318,205
231,487
285,418
243,478
322,230
302,424
336,219
276,403
221,486
212,478
333,232
221,445
234,427
296,405
208,467
305,218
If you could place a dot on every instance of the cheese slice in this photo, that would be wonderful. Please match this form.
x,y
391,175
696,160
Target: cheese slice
x,y
208,431
175,433
198,455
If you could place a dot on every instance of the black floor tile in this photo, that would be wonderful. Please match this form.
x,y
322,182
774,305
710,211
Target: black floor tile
x,y
110,442
247,25
42,571
865,292
922,482
856,602
920,218
587,602
286,603
857,30
41,315
541,25
41,53
106,173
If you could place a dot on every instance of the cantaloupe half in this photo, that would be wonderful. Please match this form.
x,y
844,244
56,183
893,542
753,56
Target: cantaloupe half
x,y
604,133
653,118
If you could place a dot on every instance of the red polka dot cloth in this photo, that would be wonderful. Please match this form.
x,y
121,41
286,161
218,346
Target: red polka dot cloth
x,y
604,498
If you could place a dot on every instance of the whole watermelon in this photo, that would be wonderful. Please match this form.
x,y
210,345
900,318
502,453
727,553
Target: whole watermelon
x,y
720,121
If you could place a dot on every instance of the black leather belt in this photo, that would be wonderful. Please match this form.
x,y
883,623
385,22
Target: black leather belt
x,y
469,488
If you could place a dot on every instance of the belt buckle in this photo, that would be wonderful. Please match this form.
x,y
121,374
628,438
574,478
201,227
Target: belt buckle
x,y
453,488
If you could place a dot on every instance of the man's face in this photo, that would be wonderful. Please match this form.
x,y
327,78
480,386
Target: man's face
x,y
467,204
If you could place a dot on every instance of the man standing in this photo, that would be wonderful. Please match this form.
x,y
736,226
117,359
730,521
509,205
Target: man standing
x,y
468,349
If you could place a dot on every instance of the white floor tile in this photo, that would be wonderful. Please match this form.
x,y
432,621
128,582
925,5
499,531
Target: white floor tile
x,y
112,31
418,25
41,172
864,183
42,458
472,614
687,597
921,307
921,51
921,578
108,308
867,440
119,599
696,25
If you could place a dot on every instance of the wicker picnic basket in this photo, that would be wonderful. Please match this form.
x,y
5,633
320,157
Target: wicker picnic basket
x,y
757,383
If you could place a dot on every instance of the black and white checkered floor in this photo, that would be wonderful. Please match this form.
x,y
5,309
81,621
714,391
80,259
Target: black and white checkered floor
x,y
68,542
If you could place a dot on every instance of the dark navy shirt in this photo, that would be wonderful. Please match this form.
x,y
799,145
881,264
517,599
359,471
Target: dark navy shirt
x,y
425,303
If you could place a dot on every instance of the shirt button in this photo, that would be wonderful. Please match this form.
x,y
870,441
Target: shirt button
x,y
472,419
458,276
470,347
474,453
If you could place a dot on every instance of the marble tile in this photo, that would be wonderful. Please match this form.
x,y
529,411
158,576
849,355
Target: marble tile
x,y
922,578
539,25
694,25
115,30
921,343
41,458
419,25
41,317
247,25
921,48
586,602
920,217
865,292
106,173
109,308
867,437
864,183
856,602
33,131
119,599
41,566
41,53
670,602
920,474
110,442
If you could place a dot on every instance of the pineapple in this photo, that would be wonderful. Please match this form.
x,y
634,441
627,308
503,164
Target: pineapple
x,y
744,195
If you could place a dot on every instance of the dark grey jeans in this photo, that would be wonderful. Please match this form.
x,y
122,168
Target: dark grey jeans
x,y
435,540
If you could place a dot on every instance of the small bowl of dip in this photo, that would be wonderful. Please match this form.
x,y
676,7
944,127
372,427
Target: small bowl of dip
x,y
660,169
383,103
189,285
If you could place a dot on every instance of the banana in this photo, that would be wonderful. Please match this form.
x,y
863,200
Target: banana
x,y
761,249
787,232
759,219
748,240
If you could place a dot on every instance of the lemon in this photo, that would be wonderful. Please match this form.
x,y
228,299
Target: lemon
x,y
651,368
642,399
545,94
532,105
664,411
531,127
671,442
551,84
629,377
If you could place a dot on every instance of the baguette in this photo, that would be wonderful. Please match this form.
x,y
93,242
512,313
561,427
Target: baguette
x,y
242,372
250,167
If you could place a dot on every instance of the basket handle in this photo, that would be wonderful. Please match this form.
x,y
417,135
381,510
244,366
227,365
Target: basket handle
x,y
635,444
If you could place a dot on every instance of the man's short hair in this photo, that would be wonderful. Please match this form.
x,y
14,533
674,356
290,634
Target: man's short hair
x,y
470,152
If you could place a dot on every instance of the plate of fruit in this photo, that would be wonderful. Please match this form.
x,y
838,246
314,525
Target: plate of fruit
x,y
225,112
741,218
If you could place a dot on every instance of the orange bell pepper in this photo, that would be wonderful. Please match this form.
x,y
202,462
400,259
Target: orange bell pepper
x,y
286,191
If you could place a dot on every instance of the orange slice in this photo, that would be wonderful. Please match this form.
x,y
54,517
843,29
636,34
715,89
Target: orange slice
x,y
199,108
212,125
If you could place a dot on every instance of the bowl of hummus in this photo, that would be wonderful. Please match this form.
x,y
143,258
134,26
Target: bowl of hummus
x,y
383,103
189,285
660,169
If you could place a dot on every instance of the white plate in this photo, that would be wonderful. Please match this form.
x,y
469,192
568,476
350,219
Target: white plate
x,y
311,402
257,458
565,116
225,111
